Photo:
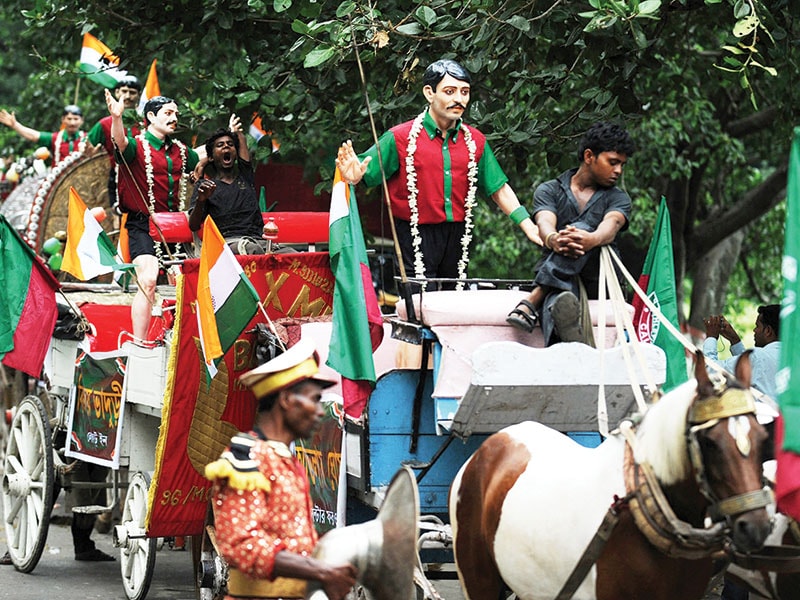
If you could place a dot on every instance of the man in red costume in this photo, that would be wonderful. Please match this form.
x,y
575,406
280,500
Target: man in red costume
x,y
261,497
61,143
435,165
151,168
127,89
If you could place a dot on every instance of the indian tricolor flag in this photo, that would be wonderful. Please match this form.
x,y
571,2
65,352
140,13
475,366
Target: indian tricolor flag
x,y
99,63
357,321
89,252
226,300
151,87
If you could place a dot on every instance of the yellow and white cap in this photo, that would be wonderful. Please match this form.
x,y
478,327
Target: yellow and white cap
x,y
296,364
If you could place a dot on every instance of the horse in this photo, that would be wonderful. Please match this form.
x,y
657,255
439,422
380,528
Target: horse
x,y
526,505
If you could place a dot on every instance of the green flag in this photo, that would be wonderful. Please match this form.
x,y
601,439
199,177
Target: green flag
x,y
658,280
788,378
262,200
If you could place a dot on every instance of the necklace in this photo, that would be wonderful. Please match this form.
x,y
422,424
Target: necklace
x,y
148,168
413,192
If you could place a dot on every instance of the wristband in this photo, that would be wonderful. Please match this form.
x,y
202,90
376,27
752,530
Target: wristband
x,y
547,239
519,214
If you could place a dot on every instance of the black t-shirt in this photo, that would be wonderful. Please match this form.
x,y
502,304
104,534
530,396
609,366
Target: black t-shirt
x,y
234,206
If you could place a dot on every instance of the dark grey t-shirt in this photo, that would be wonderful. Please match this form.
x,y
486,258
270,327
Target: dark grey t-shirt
x,y
557,197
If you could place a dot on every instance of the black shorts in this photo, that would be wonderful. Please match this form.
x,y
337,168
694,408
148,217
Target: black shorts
x,y
140,242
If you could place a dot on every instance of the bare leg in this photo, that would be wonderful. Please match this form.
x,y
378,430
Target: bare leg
x,y
141,307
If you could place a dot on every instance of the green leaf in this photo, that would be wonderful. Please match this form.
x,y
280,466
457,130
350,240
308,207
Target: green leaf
x,y
648,7
521,23
246,98
425,15
771,70
281,5
300,27
409,29
318,57
345,8
733,49
741,9
745,26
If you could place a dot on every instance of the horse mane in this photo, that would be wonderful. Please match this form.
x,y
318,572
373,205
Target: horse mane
x,y
661,437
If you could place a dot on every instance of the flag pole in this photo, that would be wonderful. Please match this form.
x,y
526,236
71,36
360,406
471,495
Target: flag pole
x,y
271,325
407,295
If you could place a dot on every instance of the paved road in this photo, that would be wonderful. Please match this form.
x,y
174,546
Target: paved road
x,y
59,577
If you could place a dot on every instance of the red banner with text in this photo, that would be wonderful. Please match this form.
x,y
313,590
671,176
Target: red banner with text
x,y
200,417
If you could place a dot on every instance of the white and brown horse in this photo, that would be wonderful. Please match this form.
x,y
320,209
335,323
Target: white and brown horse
x,y
526,505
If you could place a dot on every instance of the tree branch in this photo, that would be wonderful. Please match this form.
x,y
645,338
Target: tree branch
x,y
752,123
755,203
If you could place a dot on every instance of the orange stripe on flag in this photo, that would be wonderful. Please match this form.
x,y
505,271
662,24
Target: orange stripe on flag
x,y
71,262
213,244
89,41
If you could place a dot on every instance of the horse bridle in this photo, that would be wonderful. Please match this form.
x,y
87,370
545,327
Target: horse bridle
x,y
705,414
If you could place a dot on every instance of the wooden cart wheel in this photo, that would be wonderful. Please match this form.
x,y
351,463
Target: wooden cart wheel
x,y
137,555
27,484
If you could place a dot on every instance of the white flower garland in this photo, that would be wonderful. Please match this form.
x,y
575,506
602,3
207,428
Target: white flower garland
x,y
413,192
60,139
148,168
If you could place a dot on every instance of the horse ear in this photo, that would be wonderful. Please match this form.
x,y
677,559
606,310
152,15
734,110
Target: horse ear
x,y
704,385
744,369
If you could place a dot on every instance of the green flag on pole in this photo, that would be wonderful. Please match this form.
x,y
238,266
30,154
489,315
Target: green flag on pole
x,y
787,430
788,378
658,280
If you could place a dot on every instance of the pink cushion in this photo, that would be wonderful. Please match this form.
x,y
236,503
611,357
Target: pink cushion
x,y
484,307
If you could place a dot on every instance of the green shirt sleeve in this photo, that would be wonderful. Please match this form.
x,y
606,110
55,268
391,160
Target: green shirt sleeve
x,y
490,175
130,150
96,135
45,139
391,161
192,159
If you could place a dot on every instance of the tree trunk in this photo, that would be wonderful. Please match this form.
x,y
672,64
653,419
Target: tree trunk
x,y
711,275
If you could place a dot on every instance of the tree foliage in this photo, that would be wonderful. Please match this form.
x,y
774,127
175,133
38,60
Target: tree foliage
x,y
707,87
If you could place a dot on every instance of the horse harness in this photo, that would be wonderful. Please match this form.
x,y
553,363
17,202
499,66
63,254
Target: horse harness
x,y
650,508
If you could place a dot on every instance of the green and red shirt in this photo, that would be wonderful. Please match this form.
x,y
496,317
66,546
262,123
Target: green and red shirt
x,y
167,171
62,144
441,163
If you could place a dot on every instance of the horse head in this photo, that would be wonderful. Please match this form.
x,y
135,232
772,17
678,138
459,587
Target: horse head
x,y
725,446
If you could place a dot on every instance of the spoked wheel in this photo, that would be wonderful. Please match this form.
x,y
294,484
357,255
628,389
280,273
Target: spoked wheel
x,y
27,484
137,552
212,572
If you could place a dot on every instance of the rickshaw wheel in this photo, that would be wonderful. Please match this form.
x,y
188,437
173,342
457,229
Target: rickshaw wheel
x,y
212,570
27,483
137,555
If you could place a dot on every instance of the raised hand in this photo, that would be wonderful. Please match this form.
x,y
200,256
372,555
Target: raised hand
x,y
350,167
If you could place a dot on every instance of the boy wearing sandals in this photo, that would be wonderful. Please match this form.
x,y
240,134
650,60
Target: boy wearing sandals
x,y
579,211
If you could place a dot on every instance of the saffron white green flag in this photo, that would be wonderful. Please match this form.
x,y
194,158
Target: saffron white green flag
x,y
151,87
89,252
99,63
226,300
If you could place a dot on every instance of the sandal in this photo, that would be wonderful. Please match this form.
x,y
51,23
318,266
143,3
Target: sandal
x,y
522,319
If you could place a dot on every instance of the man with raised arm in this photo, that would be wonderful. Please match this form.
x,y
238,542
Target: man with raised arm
x,y
435,164
151,169
70,138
